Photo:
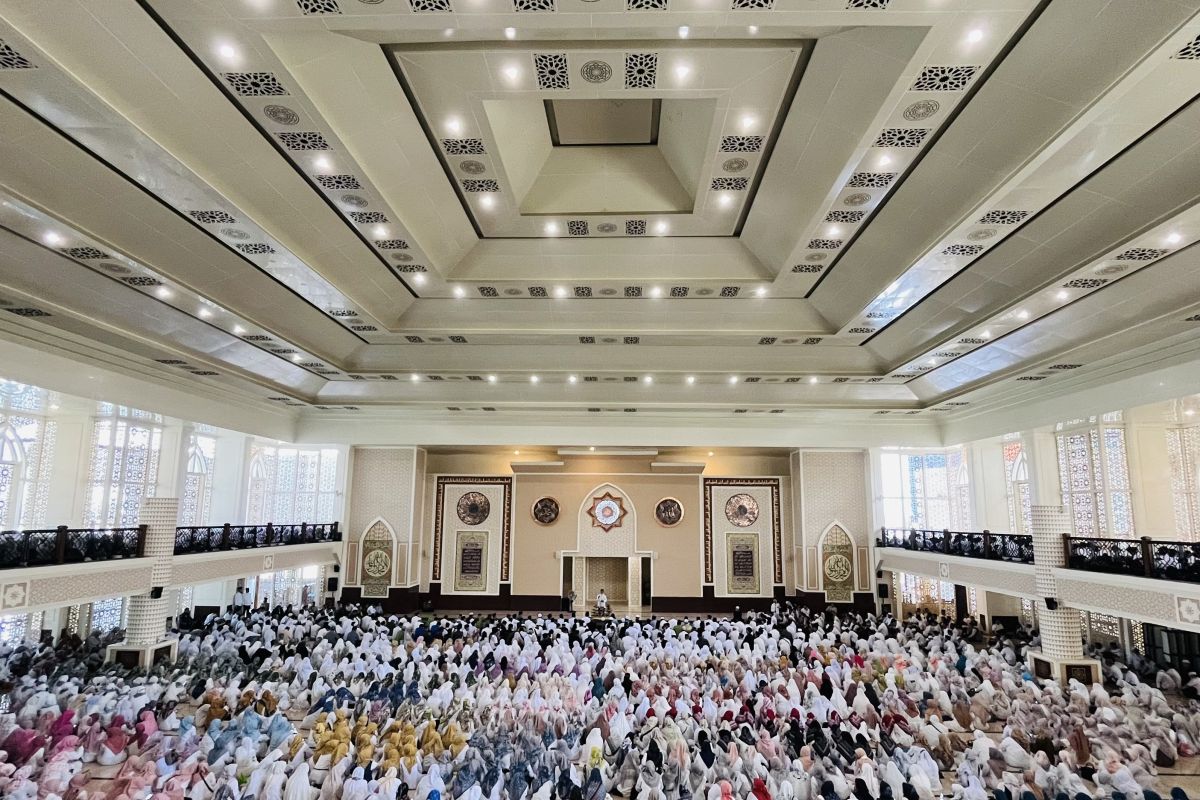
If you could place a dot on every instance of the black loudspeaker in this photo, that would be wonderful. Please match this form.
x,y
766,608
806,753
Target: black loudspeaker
x,y
337,568
331,584
885,591
878,573
1051,604
156,592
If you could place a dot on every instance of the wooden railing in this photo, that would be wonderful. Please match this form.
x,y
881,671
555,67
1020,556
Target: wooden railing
x,y
1145,557
210,538
63,545
1012,547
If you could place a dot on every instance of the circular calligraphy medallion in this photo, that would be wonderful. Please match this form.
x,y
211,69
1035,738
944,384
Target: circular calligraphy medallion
x,y
473,508
742,510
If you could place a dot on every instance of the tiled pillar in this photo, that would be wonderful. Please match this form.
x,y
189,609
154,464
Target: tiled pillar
x,y
1060,629
147,614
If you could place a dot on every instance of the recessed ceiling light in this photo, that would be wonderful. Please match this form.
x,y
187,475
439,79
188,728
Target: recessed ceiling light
x,y
975,35
51,238
710,453
512,72
733,378
454,125
534,379
380,231
986,335
560,291
813,379
884,160
684,30
238,330
1189,412
834,230
753,29
725,199
660,227
551,228
748,122
296,357
448,32
648,379
655,291
691,379
510,33
1174,238
1022,314
163,292
418,279
322,164
227,52
491,378
516,452
205,313
592,448
487,201
572,379
459,291
414,377
761,291
682,71
932,362
1062,294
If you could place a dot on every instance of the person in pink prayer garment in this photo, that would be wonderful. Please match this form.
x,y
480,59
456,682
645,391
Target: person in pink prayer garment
x,y
116,739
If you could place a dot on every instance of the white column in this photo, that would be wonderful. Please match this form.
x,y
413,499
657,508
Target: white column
x,y
172,458
65,500
988,485
1060,629
147,615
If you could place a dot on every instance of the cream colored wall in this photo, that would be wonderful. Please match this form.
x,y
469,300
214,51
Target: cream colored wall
x,y
1150,472
678,569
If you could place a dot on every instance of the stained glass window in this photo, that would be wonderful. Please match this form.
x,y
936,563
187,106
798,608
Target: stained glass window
x,y
1094,477
26,454
108,614
292,484
124,465
197,482
1183,448
926,490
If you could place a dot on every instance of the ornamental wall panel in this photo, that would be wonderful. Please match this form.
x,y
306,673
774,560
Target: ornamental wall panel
x,y
386,484
737,506
466,504
833,490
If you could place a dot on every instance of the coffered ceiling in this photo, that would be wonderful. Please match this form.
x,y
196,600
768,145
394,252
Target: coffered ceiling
x,y
699,209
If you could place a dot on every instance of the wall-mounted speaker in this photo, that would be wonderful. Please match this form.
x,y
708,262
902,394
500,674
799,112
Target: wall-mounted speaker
x,y
885,591
337,568
156,592
331,584
1051,604
878,573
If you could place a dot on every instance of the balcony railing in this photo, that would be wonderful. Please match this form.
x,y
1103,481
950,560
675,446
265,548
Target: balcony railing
x,y
210,538
63,545
1147,558
1012,547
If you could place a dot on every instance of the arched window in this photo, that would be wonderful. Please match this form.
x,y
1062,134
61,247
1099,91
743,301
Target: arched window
x,y
197,487
124,465
292,484
1016,485
12,456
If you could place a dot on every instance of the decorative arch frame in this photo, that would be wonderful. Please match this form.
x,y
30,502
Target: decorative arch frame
x,y
628,522
837,575
371,543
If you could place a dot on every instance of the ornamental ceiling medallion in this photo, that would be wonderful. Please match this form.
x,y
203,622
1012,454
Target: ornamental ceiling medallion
x,y
607,511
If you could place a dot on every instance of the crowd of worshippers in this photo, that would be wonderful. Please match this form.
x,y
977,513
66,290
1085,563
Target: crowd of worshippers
x,y
349,704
